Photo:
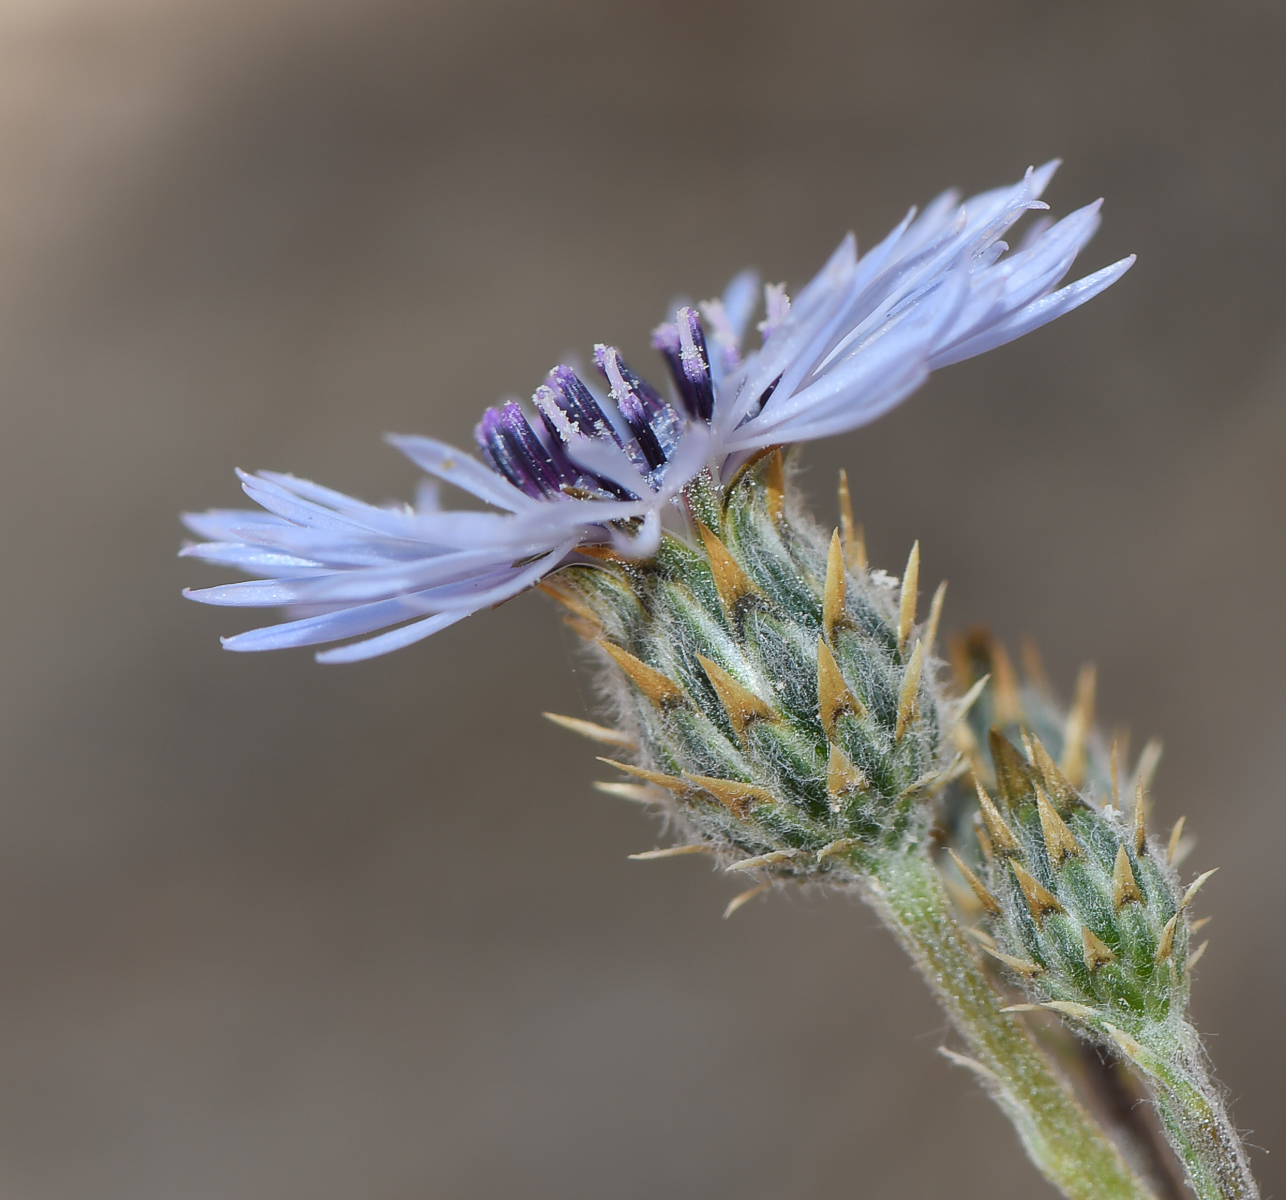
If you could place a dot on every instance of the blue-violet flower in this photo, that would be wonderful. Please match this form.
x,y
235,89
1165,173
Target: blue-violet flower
x,y
591,466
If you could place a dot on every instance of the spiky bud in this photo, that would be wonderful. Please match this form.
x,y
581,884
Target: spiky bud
x,y
779,698
1091,921
1083,895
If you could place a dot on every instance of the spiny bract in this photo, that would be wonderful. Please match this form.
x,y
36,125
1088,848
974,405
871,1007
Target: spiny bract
x,y
780,697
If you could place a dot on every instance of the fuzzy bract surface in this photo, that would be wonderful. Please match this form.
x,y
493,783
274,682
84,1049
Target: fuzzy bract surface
x,y
781,705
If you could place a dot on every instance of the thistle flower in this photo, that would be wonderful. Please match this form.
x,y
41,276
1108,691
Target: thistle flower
x,y
773,696
588,469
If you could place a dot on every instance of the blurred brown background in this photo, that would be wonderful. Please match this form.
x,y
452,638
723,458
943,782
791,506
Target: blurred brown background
x,y
275,930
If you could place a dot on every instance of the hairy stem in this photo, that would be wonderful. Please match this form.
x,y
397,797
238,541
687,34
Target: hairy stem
x,y
1192,1111
1124,1099
1061,1138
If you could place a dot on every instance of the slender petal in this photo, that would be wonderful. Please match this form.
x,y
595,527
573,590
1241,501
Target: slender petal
x,y
589,466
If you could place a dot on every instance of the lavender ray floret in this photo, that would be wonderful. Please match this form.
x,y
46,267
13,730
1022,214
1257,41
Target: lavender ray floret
x,y
739,300
448,464
229,524
1035,314
609,467
327,627
394,639
282,502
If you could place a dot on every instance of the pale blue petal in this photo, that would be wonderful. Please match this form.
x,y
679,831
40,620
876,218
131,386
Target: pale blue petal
x,y
395,639
329,627
1035,315
253,593
225,524
466,472
740,299
251,558
376,583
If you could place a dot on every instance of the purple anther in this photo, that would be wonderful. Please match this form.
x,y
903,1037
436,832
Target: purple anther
x,y
580,406
558,431
758,406
695,362
636,417
529,452
499,452
631,407
563,430
665,338
655,404
482,433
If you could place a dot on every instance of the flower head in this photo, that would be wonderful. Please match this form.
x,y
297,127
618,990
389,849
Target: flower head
x,y
607,465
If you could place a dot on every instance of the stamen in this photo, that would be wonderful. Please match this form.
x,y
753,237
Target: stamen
x,y
653,401
695,362
578,402
505,453
725,337
559,431
529,450
631,406
665,338
663,417
776,308
567,414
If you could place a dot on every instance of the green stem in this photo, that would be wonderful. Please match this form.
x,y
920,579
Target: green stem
x,y
1192,1111
1061,1138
